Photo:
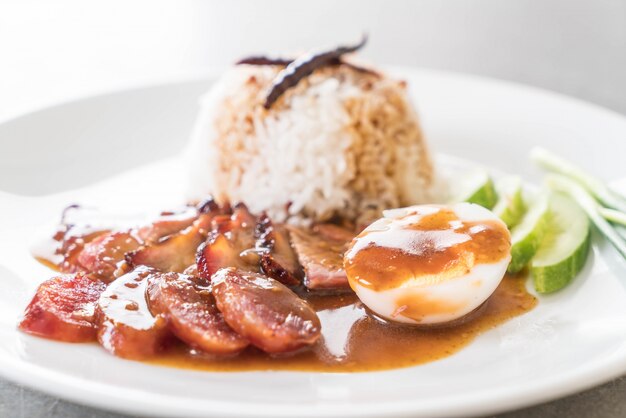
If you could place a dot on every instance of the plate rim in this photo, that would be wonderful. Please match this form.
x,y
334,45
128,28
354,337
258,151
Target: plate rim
x,y
509,397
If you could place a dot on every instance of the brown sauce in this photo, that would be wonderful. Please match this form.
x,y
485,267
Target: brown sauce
x,y
435,243
354,341
417,305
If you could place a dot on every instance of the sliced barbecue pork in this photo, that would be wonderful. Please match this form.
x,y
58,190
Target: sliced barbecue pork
x,y
189,307
320,251
126,327
265,311
63,308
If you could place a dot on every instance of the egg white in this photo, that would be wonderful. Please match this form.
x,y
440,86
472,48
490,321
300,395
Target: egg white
x,y
461,294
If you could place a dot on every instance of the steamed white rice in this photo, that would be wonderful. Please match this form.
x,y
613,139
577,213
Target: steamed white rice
x,y
342,143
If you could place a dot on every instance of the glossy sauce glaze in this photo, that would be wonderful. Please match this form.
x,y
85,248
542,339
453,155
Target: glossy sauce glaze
x,y
434,242
354,341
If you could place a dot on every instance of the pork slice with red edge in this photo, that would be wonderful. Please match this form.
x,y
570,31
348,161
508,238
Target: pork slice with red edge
x,y
320,251
170,223
126,327
265,311
101,256
189,307
167,224
335,233
175,253
231,243
63,308
71,241
93,241
278,259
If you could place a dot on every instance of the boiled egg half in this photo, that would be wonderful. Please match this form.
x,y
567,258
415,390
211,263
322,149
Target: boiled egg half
x,y
429,264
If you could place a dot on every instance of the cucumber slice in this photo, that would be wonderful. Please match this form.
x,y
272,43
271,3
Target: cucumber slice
x,y
565,246
590,206
617,218
475,187
613,216
592,185
510,206
528,234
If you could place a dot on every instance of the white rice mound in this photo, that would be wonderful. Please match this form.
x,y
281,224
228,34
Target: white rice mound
x,y
342,143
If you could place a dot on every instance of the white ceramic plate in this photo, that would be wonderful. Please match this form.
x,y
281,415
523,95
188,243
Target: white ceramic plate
x,y
571,341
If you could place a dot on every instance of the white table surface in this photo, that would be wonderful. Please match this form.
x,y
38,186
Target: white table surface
x,y
52,51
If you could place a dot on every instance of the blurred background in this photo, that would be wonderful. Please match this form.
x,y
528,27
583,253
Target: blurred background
x,y
55,50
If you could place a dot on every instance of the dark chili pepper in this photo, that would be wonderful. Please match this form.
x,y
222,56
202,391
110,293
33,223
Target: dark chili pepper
x,y
262,60
303,66
359,69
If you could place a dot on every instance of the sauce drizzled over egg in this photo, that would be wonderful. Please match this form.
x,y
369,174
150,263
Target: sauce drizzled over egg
x,y
429,264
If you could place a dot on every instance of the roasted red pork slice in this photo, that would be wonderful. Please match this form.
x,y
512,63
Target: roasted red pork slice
x,y
320,251
265,311
189,307
63,308
167,224
170,223
101,256
175,253
278,260
101,233
334,232
71,241
231,243
126,327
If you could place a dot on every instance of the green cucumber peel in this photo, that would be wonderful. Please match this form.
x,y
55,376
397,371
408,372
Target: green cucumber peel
x,y
565,245
510,206
591,184
590,206
528,234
